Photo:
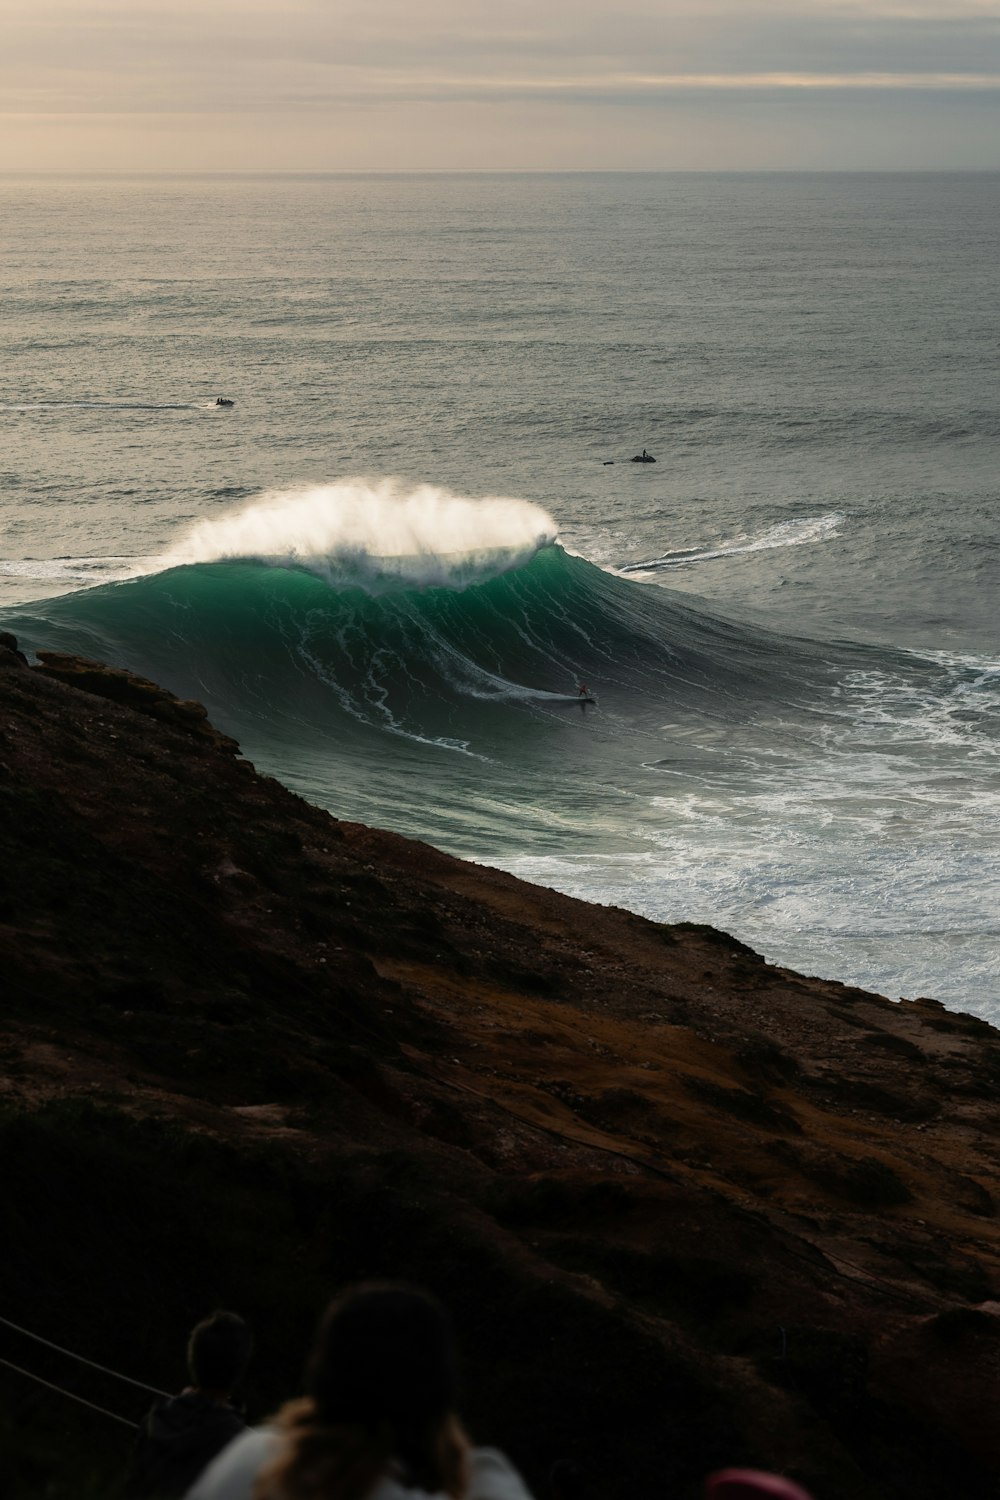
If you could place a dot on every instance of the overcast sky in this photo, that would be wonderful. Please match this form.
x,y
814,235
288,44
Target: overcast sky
x,y
499,84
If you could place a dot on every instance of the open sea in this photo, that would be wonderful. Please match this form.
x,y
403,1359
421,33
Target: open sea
x,y
388,567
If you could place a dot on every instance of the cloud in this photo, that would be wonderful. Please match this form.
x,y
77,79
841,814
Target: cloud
x,y
263,61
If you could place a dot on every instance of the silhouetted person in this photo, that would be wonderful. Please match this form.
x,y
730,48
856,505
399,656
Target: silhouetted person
x,y
378,1422
181,1435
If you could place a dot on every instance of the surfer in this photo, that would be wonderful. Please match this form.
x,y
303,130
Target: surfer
x,y
584,690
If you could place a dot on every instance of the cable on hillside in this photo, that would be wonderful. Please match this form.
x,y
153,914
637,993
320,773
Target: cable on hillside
x,y
82,1359
49,1386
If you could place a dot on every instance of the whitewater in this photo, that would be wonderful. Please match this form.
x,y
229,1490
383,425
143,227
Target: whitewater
x,y
390,566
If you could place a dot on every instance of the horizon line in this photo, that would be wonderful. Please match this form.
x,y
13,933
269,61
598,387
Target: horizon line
x,y
827,171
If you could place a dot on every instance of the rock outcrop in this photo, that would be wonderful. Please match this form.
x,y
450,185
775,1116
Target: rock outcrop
x,y
690,1209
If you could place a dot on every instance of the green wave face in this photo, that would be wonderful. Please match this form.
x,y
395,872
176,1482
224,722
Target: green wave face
x,y
279,641
441,711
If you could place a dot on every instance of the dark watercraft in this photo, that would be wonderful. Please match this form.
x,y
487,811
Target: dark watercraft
x,y
643,458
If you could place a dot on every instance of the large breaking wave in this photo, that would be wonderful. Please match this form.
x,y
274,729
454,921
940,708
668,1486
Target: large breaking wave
x,y
371,608
412,660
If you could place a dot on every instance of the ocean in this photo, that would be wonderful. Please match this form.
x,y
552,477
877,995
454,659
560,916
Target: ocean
x,y
388,567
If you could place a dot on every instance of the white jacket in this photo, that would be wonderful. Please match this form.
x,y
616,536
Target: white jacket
x,y
232,1475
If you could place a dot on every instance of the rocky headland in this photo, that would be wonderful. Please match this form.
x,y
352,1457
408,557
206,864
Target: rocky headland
x,y
689,1209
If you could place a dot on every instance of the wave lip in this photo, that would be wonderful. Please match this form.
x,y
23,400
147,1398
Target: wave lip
x,y
375,535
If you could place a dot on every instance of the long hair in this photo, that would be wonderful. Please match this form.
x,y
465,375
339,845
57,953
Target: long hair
x,y
381,1388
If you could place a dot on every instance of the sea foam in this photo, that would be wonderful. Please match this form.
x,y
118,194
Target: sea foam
x,y
374,533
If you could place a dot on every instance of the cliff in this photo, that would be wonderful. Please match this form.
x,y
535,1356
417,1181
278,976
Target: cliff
x,y
689,1209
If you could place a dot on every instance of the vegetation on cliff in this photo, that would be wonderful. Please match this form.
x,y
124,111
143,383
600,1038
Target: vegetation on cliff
x,y
689,1209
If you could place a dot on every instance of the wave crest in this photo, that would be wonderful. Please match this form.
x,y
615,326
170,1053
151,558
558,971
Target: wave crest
x,y
375,535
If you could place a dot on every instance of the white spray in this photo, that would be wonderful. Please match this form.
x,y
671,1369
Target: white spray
x,y
376,533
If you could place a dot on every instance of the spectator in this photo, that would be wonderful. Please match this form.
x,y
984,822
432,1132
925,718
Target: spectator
x,y
179,1436
378,1422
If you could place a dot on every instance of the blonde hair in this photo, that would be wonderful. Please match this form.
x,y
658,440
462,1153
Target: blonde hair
x,y
318,1462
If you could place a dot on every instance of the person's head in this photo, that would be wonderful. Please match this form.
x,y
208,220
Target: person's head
x,y
218,1351
382,1385
384,1354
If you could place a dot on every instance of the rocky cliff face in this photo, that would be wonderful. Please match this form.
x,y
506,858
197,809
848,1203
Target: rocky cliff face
x,y
689,1209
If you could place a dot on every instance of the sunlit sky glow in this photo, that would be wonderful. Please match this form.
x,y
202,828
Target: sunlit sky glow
x,y
401,85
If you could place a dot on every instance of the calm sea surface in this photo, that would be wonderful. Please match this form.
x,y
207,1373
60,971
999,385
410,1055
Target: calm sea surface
x,y
388,566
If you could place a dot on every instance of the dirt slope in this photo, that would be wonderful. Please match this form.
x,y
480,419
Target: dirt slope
x,y
690,1209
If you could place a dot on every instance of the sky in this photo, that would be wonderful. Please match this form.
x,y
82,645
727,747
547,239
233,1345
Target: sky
x,y
499,85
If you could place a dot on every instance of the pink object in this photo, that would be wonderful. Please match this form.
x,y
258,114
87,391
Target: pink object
x,y
752,1484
